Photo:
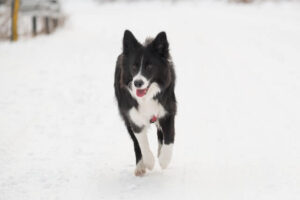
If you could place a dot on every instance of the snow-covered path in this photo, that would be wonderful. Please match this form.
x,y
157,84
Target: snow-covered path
x,y
238,89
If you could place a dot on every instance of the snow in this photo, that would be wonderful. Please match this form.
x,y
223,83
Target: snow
x,y
238,92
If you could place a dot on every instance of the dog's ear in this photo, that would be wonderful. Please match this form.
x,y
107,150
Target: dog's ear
x,y
161,45
129,42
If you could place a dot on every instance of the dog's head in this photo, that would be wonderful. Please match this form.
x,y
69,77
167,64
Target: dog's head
x,y
145,64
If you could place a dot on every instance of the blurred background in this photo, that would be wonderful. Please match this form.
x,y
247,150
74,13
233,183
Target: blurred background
x,y
238,92
31,17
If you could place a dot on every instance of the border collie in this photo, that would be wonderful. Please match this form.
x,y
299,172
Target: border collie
x,y
144,88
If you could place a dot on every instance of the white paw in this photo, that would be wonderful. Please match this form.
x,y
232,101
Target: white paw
x,y
148,160
165,155
140,169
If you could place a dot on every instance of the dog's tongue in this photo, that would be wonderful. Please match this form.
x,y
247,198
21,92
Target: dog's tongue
x,y
141,93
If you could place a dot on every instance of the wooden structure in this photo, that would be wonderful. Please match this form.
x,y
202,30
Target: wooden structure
x,y
47,11
15,14
5,20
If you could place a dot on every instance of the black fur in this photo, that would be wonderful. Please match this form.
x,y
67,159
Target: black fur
x,y
156,67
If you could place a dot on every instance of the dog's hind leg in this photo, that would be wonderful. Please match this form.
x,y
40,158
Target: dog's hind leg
x,y
168,130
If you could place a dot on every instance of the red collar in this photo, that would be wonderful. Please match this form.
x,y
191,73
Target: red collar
x,y
153,119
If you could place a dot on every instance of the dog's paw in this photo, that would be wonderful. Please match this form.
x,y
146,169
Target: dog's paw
x,y
140,169
165,155
148,160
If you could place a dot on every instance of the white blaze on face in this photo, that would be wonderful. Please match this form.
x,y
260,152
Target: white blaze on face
x,y
139,76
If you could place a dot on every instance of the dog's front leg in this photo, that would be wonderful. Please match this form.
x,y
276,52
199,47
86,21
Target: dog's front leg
x,y
166,150
147,155
140,133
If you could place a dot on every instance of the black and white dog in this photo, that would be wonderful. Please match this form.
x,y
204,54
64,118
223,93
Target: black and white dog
x,y
144,88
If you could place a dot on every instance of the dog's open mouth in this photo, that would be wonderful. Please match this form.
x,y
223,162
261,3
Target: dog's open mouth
x,y
141,93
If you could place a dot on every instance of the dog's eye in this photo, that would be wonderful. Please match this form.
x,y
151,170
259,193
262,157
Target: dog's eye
x,y
148,67
134,67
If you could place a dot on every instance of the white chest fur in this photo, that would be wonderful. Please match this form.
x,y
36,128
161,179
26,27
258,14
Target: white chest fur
x,y
147,107
146,110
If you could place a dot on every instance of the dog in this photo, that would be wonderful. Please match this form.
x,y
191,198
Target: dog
x,y
144,88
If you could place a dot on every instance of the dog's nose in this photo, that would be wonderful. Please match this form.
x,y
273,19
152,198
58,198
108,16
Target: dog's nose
x,y
138,83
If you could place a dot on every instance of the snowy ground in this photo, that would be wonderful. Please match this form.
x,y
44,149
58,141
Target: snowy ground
x,y
238,89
